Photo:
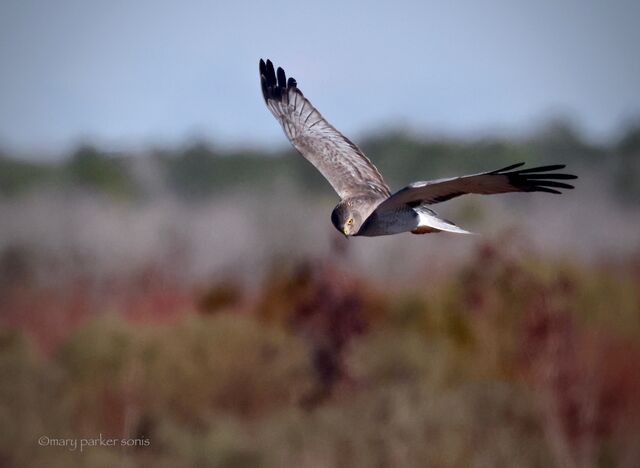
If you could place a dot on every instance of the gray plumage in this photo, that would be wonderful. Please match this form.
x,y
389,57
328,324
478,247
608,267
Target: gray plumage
x,y
367,207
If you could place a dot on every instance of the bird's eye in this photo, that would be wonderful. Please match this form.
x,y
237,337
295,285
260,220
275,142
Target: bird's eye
x,y
350,222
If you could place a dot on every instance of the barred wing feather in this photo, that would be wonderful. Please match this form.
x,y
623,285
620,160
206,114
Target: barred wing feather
x,y
338,159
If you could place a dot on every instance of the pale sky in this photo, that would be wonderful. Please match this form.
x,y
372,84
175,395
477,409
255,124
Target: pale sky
x,y
134,73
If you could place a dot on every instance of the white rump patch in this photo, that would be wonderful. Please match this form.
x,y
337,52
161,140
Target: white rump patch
x,y
430,219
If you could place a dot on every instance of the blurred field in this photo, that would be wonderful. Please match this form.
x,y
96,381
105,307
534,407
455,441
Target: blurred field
x,y
201,300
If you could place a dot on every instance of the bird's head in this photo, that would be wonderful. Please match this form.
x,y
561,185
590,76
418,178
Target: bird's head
x,y
346,218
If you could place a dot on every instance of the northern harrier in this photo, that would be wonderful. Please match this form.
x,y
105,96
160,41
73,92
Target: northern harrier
x,y
367,207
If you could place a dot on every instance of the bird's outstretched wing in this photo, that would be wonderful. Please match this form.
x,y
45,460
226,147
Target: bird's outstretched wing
x,y
338,159
536,179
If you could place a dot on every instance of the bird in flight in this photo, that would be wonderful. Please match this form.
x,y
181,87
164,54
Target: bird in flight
x,y
367,207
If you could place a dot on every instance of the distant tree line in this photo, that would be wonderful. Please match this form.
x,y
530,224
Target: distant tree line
x,y
201,170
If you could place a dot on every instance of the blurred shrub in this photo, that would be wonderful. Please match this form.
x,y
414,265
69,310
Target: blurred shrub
x,y
91,169
627,171
32,402
220,297
102,363
190,372
208,366
328,306
193,172
18,176
389,357
200,171
412,425
224,443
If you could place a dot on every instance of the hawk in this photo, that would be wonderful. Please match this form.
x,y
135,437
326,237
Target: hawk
x,y
367,207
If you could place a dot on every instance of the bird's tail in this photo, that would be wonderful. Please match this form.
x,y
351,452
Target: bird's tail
x,y
429,221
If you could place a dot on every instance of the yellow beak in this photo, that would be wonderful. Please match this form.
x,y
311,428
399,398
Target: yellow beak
x,y
345,230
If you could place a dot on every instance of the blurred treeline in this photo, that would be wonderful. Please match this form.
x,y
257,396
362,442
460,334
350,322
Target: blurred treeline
x,y
200,169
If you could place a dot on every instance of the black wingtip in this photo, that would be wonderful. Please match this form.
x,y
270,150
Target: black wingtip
x,y
553,167
274,82
263,85
508,168
552,176
282,78
539,179
551,183
270,74
547,190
